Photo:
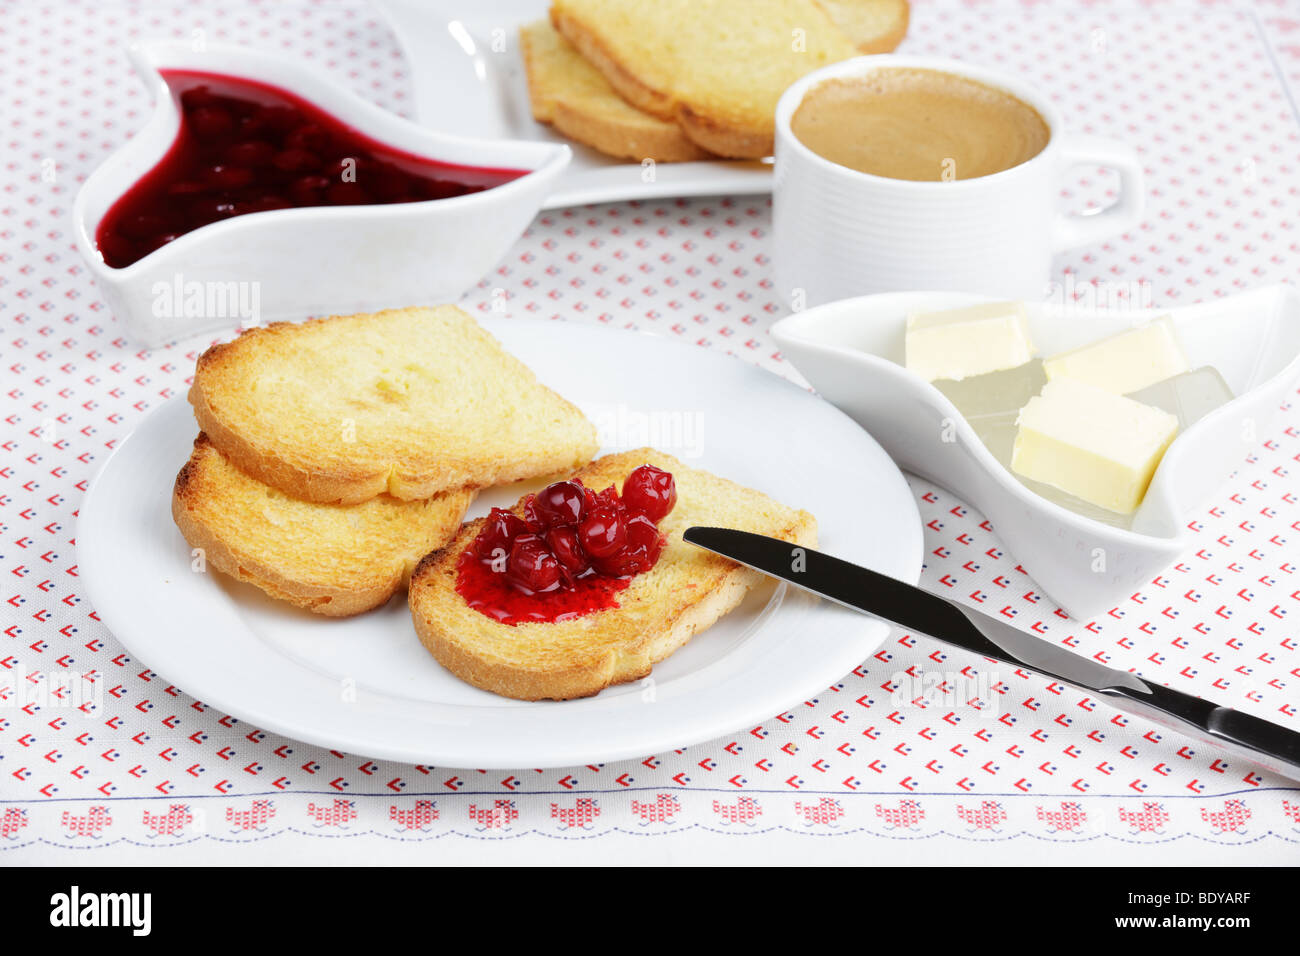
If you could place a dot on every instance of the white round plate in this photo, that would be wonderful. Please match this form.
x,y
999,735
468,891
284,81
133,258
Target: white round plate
x,y
365,685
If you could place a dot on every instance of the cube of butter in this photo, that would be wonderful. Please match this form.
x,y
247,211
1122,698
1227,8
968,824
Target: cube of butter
x,y
958,343
1092,444
1126,362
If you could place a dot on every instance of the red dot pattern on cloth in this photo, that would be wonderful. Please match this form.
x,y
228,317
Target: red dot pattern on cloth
x,y
1204,99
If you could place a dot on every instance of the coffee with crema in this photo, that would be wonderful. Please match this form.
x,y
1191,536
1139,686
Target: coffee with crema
x,y
918,124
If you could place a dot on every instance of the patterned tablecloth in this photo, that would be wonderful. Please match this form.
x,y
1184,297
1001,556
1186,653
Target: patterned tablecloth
x,y
873,767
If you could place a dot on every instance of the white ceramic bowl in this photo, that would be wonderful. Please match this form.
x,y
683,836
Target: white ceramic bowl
x,y
852,352
327,259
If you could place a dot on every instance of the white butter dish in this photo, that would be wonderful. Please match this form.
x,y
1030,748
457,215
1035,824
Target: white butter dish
x,y
852,352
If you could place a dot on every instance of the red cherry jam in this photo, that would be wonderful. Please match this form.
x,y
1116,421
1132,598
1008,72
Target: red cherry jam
x,y
244,146
490,593
571,552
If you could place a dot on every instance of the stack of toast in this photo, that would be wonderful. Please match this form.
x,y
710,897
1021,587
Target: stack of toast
x,y
334,454
680,80
337,457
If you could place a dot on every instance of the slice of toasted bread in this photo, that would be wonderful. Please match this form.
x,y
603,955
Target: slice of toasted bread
x,y
716,67
570,94
335,560
408,402
684,593
874,26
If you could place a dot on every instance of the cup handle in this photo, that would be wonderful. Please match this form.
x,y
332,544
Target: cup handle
x,y
1073,229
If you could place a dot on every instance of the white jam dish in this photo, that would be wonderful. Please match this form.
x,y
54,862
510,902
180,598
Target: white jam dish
x,y
290,262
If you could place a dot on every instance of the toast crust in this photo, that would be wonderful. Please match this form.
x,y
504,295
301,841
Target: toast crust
x,y
398,452
211,504
663,145
625,82
721,120
566,92
685,593
874,26
888,42
724,139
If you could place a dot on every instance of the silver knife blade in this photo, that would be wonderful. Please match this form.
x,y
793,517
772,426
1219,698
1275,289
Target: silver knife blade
x,y
916,609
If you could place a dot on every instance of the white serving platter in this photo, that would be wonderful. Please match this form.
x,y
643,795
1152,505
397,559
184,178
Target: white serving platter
x,y
468,79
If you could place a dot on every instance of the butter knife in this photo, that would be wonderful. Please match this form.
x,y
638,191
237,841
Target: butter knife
x,y
1242,735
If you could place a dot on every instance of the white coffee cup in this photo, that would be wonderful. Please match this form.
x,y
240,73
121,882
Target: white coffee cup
x,y
840,233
